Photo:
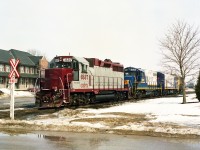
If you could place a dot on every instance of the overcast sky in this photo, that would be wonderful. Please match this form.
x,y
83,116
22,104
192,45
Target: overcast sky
x,y
125,31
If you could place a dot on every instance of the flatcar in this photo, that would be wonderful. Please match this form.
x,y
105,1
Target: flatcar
x,y
72,80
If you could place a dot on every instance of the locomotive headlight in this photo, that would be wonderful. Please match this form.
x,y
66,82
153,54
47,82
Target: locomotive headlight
x,y
126,82
55,88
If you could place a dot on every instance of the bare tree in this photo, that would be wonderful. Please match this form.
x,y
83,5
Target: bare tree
x,y
34,52
180,47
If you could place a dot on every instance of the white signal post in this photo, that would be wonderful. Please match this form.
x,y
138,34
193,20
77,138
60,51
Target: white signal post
x,y
12,75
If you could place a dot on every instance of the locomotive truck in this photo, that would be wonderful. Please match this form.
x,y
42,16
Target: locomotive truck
x,y
72,80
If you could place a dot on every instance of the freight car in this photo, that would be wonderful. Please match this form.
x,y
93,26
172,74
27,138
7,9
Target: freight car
x,y
144,83
72,80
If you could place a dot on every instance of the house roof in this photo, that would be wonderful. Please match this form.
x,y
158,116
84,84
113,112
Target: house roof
x,y
24,57
5,56
35,59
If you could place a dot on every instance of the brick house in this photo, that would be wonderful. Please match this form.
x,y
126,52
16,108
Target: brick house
x,y
29,68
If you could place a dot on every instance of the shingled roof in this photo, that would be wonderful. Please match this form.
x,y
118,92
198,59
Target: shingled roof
x,y
24,57
5,56
35,59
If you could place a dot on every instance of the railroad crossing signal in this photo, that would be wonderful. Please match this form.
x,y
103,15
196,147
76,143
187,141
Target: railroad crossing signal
x,y
14,71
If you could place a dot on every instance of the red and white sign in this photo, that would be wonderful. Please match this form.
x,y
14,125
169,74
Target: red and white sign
x,y
12,80
14,71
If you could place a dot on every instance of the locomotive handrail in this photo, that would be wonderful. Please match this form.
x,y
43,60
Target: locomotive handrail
x,y
68,86
63,88
35,86
100,82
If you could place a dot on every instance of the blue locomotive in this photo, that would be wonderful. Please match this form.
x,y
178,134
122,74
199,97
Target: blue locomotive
x,y
144,83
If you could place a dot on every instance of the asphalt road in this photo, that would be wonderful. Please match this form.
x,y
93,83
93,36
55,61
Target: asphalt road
x,y
20,102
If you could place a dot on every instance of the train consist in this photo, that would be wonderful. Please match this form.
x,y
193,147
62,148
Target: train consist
x,y
74,80
143,83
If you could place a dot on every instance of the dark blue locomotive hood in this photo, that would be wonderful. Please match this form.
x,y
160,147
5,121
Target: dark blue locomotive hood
x,y
129,81
129,77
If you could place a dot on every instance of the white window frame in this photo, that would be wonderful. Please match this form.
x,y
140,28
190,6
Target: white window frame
x,y
1,68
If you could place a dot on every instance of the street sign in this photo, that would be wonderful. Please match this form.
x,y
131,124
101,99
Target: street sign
x,y
14,71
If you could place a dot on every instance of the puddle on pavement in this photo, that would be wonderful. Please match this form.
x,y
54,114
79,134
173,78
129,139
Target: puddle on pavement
x,y
67,140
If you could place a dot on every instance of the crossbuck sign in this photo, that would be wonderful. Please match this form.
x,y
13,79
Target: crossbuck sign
x,y
13,73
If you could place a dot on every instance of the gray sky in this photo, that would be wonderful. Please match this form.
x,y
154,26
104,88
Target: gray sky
x,y
125,31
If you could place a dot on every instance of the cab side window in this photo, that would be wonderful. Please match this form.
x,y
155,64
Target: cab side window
x,y
143,77
84,68
75,65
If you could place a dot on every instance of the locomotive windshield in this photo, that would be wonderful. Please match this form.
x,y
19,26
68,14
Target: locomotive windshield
x,y
63,65
130,73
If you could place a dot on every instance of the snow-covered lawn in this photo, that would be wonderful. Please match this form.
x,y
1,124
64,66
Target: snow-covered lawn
x,y
6,92
159,115
163,109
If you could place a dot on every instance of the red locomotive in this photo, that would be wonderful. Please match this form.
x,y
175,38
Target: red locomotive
x,y
74,80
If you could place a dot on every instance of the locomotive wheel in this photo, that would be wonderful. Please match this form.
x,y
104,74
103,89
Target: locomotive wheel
x,y
73,100
92,99
117,96
87,99
121,96
139,95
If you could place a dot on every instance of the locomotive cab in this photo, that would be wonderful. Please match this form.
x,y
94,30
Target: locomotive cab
x,y
64,75
132,77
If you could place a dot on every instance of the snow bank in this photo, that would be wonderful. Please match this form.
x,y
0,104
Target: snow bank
x,y
17,93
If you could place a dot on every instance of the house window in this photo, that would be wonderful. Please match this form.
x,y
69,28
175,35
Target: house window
x,y
22,69
26,69
1,80
31,70
7,68
1,68
22,81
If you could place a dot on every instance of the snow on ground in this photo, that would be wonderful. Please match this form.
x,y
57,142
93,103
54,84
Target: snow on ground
x,y
6,92
165,115
163,109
